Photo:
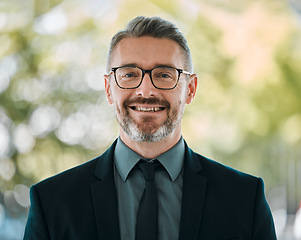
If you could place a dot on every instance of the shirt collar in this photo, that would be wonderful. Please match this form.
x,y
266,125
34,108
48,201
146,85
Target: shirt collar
x,y
125,159
172,160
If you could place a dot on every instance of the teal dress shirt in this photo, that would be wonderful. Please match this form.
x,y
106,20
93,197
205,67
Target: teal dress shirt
x,y
129,183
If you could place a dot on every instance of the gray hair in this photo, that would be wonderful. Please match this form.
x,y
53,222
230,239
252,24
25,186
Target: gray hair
x,y
154,27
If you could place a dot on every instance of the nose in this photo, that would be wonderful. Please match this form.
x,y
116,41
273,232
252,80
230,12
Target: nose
x,y
146,88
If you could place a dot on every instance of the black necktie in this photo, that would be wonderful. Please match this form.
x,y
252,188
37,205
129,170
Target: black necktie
x,y
147,216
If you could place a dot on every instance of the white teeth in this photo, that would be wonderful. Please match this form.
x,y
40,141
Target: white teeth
x,y
152,109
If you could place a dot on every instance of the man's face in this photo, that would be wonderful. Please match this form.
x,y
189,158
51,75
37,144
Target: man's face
x,y
148,114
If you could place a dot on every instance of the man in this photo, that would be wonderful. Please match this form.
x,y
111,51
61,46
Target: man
x,y
149,184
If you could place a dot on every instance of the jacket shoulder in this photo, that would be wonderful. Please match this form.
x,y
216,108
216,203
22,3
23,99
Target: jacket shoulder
x,y
84,173
70,177
223,177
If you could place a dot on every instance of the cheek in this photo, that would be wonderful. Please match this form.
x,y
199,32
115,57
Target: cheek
x,y
115,95
183,95
118,98
178,104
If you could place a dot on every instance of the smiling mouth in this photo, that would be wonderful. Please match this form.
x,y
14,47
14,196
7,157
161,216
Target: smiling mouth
x,y
147,109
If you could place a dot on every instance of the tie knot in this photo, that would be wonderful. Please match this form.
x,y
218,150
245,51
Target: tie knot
x,y
148,169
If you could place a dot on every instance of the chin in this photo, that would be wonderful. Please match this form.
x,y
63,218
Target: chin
x,y
140,135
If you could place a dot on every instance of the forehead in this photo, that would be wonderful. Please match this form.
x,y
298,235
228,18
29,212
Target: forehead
x,y
147,52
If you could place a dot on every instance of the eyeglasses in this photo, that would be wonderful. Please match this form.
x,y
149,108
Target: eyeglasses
x,y
165,78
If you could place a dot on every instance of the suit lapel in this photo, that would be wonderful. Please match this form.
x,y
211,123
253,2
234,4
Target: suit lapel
x,y
194,188
105,198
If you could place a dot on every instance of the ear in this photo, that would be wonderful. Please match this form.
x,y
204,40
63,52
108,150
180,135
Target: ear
x,y
192,85
108,89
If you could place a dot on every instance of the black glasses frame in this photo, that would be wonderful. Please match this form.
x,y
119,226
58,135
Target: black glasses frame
x,y
113,70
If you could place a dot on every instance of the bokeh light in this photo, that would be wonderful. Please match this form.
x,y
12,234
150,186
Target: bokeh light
x,y
54,114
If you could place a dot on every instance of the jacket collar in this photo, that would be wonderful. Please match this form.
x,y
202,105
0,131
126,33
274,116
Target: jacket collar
x,y
105,162
194,189
105,198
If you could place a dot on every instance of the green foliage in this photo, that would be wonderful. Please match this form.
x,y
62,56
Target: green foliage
x,y
54,113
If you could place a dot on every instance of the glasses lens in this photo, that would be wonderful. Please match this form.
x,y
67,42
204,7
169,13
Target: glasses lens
x,y
128,77
165,78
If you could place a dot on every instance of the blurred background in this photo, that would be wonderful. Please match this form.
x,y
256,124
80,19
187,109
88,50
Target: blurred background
x,y
54,115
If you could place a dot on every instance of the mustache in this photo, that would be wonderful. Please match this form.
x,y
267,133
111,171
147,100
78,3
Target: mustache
x,y
141,100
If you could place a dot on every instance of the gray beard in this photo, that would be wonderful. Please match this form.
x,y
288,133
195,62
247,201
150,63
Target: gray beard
x,y
132,129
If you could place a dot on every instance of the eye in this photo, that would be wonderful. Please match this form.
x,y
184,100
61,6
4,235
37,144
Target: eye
x,y
129,75
164,73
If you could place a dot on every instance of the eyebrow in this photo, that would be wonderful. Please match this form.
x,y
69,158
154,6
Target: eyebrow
x,y
157,65
129,65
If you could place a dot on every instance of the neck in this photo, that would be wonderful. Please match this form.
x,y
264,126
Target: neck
x,y
151,149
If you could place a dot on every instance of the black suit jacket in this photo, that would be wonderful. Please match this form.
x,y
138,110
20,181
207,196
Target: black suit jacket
x,y
218,203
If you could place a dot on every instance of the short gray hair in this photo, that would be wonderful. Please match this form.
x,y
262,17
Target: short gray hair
x,y
154,27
